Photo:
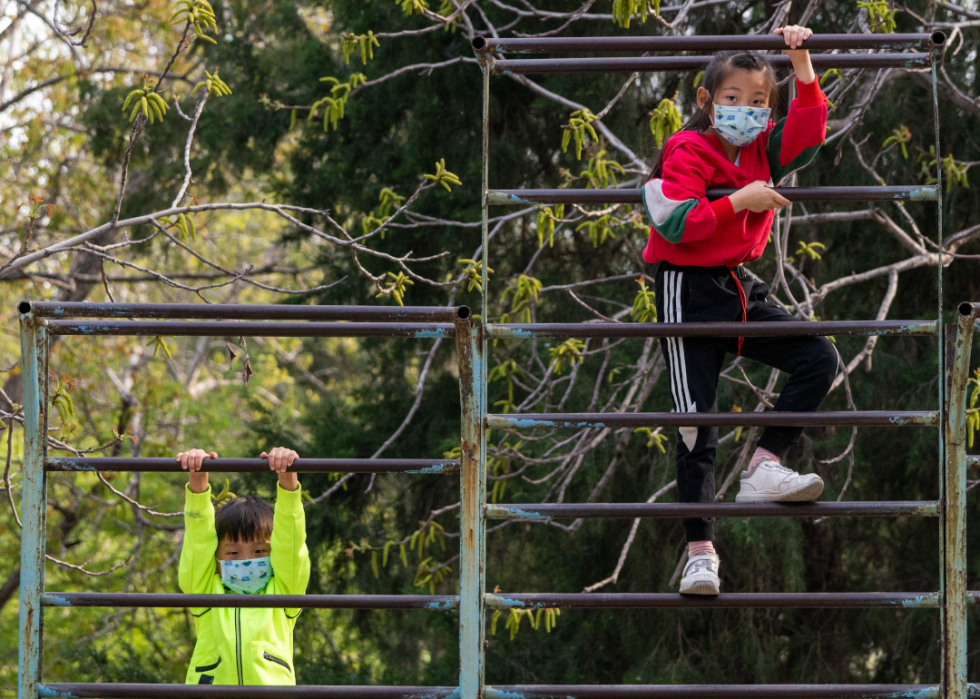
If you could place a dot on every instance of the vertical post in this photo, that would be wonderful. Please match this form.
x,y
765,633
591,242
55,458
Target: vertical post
x,y
486,64
944,489
959,339
470,345
33,349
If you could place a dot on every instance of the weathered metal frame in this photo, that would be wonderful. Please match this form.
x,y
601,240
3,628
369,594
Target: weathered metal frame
x,y
40,320
953,682
473,600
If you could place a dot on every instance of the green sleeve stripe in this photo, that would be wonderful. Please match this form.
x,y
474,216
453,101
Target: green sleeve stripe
x,y
796,163
672,230
776,171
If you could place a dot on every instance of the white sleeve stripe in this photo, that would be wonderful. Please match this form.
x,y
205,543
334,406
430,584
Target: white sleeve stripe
x,y
659,207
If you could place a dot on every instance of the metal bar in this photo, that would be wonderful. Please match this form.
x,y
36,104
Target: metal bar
x,y
889,42
33,354
713,691
837,418
235,328
121,690
168,465
125,600
664,64
793,328
952,687
470,355
735,600
523,197
243,311
959,341
680,510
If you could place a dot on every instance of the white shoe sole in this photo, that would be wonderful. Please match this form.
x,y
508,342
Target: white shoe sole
x,y
805,493
701,587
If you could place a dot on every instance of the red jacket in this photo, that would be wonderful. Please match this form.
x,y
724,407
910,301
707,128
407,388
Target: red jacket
x,y
687,228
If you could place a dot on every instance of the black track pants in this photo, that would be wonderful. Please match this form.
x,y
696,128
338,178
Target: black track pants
x,y
710,294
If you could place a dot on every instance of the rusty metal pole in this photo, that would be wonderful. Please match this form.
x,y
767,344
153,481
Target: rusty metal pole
x,y
33,350
469,347
948,673
959,341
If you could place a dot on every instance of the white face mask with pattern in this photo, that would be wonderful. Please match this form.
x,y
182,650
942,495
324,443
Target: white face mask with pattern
x,y
740,125
247,576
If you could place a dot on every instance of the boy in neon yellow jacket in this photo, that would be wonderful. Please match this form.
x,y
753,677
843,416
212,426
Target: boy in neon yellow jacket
x,y
247,547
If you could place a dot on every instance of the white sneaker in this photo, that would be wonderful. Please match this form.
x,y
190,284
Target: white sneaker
x,y
772,482
701,575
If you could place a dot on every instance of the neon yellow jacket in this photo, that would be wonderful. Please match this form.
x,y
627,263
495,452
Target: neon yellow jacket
x,y
244,646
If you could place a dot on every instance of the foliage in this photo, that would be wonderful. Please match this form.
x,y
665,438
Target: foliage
x,y
366,43
525,290
146,102
514,616
881,14
334,104
623,11
810,249
665,119
579,125
599,229
443,176
569,352
214,85
973,412
547,217
601,171
199,14
645,304
900,136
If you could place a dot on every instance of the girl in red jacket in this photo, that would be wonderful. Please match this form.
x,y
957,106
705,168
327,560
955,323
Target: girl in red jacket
x,y
701,246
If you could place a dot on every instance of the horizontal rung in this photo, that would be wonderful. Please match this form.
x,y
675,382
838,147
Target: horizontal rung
x,y
734,600
712,691
817,42
836,418
658,64
236,328
124,690
245,311
681,510
790,328
169,465
124,600
633,196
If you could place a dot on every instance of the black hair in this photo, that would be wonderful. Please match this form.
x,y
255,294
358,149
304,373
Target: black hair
x,y
244,519
723,64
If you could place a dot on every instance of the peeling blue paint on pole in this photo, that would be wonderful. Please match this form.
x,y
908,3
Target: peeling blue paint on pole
x,y
470,348
33,348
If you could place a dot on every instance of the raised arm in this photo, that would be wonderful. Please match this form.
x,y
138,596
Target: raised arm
x,y
196,570
795,140
290,556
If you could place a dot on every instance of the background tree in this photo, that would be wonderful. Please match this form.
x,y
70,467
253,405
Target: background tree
x,y
288,166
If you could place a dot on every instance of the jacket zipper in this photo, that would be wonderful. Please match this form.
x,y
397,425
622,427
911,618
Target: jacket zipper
x,y
238,644
278,661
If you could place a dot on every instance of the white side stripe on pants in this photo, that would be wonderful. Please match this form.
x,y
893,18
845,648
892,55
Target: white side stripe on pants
x,y
675,345
669,317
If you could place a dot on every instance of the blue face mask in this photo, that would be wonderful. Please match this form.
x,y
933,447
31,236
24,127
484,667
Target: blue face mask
x,y
740,125
248,576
